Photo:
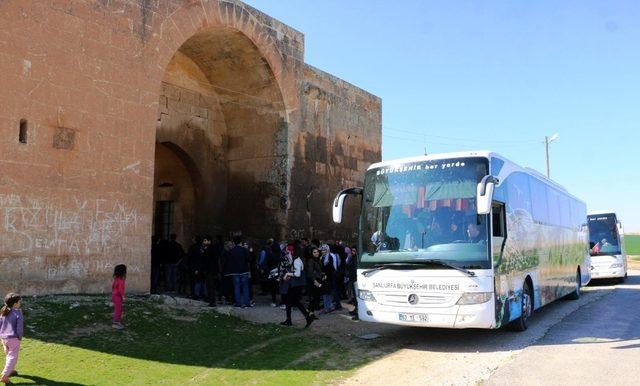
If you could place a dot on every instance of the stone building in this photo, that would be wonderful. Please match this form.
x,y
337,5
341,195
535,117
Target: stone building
x,y
124,118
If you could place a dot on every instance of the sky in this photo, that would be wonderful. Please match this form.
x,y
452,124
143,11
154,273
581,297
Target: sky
x,y
495,75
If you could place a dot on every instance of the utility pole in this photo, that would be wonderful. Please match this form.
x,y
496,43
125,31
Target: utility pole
x,y
547,141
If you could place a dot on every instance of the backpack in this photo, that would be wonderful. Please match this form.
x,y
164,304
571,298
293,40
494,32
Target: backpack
x,y
302,280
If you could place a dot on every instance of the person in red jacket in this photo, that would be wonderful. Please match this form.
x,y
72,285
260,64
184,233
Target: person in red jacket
x,y
117,294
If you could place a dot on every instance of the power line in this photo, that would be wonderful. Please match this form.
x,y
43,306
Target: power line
x,y
531,141
457,145
412,140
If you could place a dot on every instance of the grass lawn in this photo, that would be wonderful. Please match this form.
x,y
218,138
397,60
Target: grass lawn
x,y
69,340
632,244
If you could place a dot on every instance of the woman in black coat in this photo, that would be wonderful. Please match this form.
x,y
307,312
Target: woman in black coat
x,y
314,280
328,277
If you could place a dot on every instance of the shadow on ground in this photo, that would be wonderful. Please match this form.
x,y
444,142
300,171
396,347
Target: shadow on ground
x,y
201,337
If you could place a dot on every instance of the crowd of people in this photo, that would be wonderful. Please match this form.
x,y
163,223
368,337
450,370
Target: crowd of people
x,y
230,272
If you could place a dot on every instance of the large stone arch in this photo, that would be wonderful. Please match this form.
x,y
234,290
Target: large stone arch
x,y
221,100
196,16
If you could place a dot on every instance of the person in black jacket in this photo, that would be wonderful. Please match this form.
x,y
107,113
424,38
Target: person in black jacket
x,y
314,280
296,280
200,268
156,261
210,258
236,266
192,256
273,263
174,255
352,276
328,277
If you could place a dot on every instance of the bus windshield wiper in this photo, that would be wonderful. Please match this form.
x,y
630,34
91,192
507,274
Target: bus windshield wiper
x,y
386,266
442,263
379,267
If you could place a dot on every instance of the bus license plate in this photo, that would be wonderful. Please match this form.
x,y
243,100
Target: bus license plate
x,y
413,317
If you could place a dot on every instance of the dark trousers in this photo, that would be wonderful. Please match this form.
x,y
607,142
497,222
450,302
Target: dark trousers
x,y
170,277
273,289
155,275
212,286
335,294
314,297
227,289
183,280
294,299
354,286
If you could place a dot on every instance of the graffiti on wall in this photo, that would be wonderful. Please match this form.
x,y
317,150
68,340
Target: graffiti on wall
x,y
72,227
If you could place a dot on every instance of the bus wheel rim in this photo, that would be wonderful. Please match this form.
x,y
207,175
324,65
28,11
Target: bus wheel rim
x,y
526,305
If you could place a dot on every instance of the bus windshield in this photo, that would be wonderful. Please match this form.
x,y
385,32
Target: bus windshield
x,y
603,235
424,211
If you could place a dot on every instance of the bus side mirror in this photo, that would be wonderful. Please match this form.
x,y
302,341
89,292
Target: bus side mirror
x,y
338,203
484,194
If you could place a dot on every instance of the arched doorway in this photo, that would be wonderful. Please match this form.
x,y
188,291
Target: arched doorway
x,y
174,193
221,106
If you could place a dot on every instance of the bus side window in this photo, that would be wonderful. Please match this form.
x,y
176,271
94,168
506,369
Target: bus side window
x,y
498,218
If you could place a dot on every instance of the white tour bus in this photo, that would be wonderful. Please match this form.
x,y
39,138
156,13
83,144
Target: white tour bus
x,y
465,240
606,246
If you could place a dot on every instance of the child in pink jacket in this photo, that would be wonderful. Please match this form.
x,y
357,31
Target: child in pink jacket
x,y
117,294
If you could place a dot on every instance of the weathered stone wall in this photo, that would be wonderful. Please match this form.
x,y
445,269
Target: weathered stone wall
x,y
339,138
221,85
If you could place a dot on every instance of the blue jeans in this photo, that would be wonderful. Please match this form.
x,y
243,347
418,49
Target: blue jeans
x,y
241,289
200,290
326,300
170,277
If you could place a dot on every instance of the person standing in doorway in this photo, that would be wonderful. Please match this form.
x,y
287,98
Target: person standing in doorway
x,y
210,257
296,279
200,267
218,252
156,261
174,254
237,268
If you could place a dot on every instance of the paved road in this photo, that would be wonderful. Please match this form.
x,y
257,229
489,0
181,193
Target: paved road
x,y
599,344
593,340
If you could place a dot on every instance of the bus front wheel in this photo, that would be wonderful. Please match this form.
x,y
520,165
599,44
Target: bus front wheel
x,y
526,304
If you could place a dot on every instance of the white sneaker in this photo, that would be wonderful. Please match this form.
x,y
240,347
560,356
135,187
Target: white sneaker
x,y
117,326
273,305
283,307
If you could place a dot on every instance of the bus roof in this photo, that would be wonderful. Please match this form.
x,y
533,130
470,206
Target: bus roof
x,y
465,154
434,157
601,212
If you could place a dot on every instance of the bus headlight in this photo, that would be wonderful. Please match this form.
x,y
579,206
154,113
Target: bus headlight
x,y
616,265
474,298
366,295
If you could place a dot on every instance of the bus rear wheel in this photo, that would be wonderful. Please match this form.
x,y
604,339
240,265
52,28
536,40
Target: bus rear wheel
x,y
526,305
575,295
